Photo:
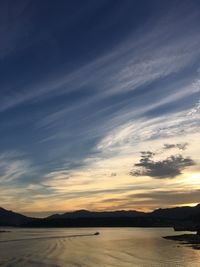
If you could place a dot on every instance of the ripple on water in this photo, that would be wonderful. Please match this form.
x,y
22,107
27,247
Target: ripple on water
x,y
113,248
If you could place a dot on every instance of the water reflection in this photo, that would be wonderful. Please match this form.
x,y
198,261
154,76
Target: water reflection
x,y
77,247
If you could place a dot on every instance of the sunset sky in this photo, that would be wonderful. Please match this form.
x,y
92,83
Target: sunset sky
x,y
99,105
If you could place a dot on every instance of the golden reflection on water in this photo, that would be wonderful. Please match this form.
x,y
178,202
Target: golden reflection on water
x,y
123,247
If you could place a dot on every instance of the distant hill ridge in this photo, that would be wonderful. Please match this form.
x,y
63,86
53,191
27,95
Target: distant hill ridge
x,y
177,212
97,214
10,218
85,218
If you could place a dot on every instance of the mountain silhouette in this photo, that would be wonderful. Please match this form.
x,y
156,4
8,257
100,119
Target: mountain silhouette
x,y
10,218
98,214
177,212
178,216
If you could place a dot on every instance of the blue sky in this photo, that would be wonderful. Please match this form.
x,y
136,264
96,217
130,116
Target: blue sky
x,y
85,87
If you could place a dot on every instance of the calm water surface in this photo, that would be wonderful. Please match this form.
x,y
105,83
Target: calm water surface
x,y
122,247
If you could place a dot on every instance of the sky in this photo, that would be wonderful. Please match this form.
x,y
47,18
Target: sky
x,y
99,105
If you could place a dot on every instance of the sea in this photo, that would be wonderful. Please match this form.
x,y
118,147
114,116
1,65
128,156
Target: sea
x,y
79,247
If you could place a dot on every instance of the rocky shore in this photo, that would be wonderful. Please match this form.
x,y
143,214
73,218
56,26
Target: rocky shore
x,y
190,239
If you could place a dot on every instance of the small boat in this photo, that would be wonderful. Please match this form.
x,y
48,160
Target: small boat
x,y
97,233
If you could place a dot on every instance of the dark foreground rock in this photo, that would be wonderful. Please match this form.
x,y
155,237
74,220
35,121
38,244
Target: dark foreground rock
x,y
190,239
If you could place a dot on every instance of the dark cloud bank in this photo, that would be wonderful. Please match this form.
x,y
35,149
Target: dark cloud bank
x,y
181,146
167,168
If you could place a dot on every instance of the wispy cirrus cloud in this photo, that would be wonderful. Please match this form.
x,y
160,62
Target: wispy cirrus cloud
x,y
154,198
82,101
131,64
13,166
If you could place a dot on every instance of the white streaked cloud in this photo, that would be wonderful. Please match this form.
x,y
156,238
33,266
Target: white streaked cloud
x,y
13,166
131,65
85,125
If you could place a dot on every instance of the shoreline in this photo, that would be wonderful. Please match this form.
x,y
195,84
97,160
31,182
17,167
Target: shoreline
x,y
188,239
